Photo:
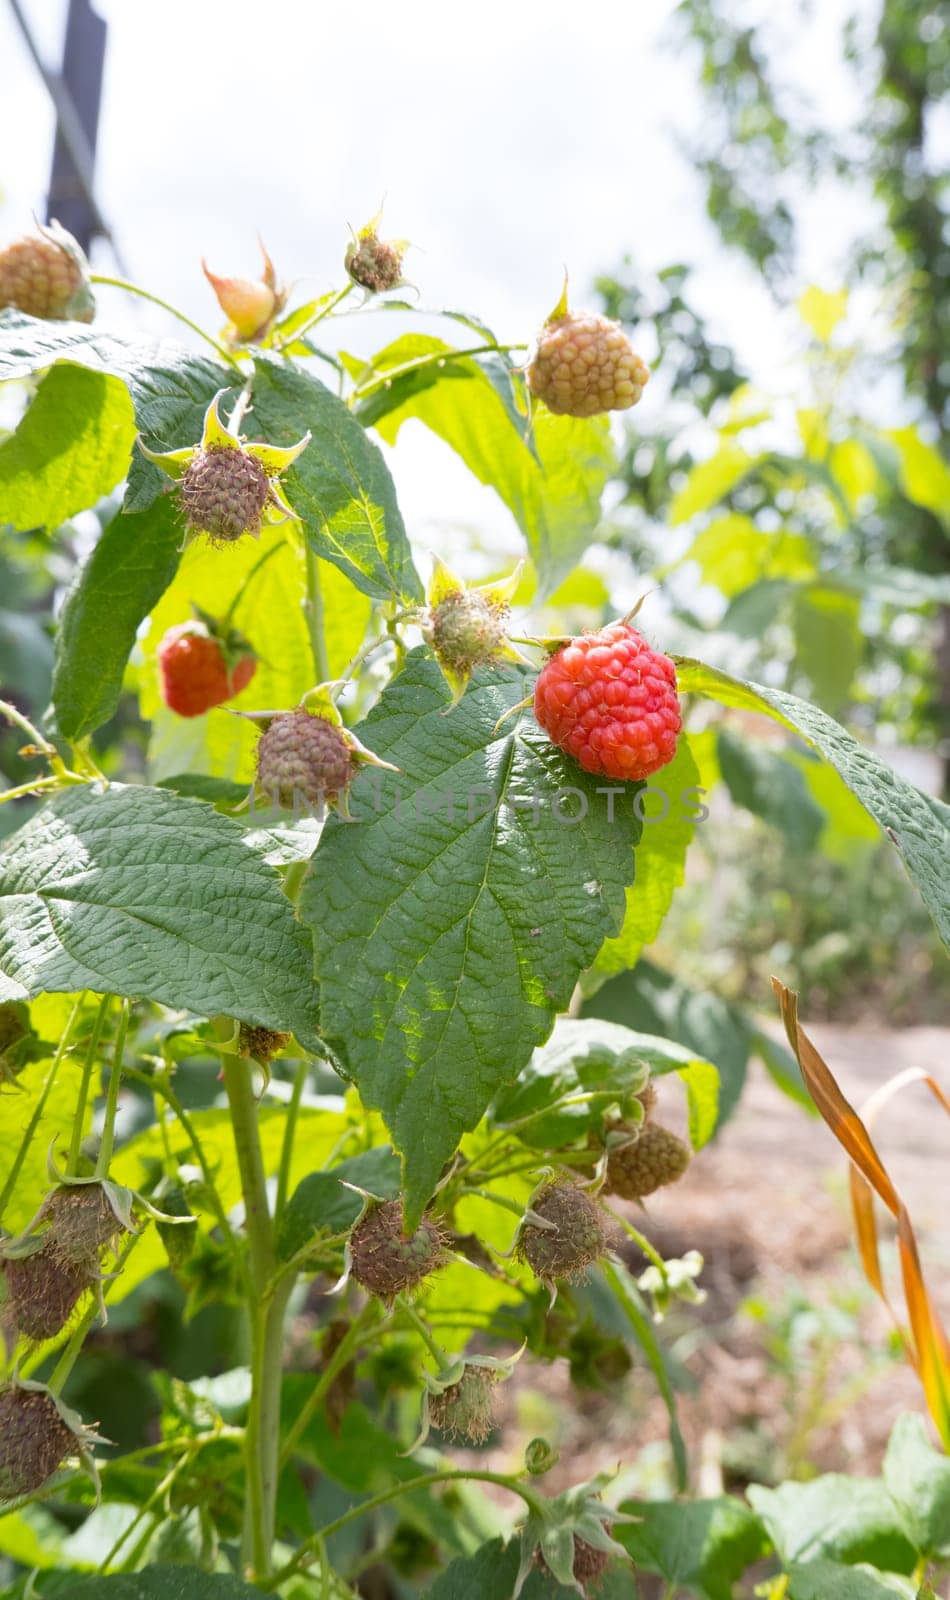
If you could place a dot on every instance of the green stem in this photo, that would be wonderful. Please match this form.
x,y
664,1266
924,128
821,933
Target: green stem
x,y
145,294
34,1122
380,378
266,1317
92,1050
70,1354
426,1480
355,1337
115,1080
242,588
439,1356
36,787
290,1129
318,642
318,316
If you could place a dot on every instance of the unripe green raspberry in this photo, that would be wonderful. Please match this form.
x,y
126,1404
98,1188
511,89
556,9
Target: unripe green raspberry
x,y
223,494
384,1260
45,274
654,1158
374,263
40,1292
466,1410
582,364
261,1044
576,1239
34,1440
303,758
466,629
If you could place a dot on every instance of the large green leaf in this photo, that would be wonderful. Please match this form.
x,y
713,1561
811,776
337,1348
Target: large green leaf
x,y
136,891
733,553
830,1580
340,488
701,1545
649,1000
589,1055
170,386
48,1016
846,1519
132,564
905,815
452,919
765,782
72,447
552,486
709,481
670,806
829,643
918,1479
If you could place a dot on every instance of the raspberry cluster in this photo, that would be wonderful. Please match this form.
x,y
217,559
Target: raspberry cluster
x,y
610,702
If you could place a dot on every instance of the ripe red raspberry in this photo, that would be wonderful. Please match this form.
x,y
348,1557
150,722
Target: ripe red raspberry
x,y
303,758
610,702
198,670
224,493
45,275
582,364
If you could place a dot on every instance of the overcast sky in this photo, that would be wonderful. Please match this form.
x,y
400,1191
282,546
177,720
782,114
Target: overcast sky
x,y
534,135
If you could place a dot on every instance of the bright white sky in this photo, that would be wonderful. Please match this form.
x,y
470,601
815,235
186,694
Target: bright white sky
x,y
536,135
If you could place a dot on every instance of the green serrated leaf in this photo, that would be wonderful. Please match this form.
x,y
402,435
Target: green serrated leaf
x,y
340,488
132,564
653,1001
709,481
670,808
70,450
135,891
452,918
909,821
321,1205
762,780
552,486
845,1519
830,1580
703,1545
170,387
917,1477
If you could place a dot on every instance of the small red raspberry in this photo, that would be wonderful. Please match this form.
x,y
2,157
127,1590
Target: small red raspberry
x,y
574,1239
610,702
466,1410
223,493
303,758
582,364
654,1158
374,263
384,1260
45,275
198,671
34,1440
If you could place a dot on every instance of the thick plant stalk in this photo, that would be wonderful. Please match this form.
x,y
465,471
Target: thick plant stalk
x,y
266,1312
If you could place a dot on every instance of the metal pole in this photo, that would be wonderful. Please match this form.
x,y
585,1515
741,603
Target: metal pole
x,y
70,127
81,75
